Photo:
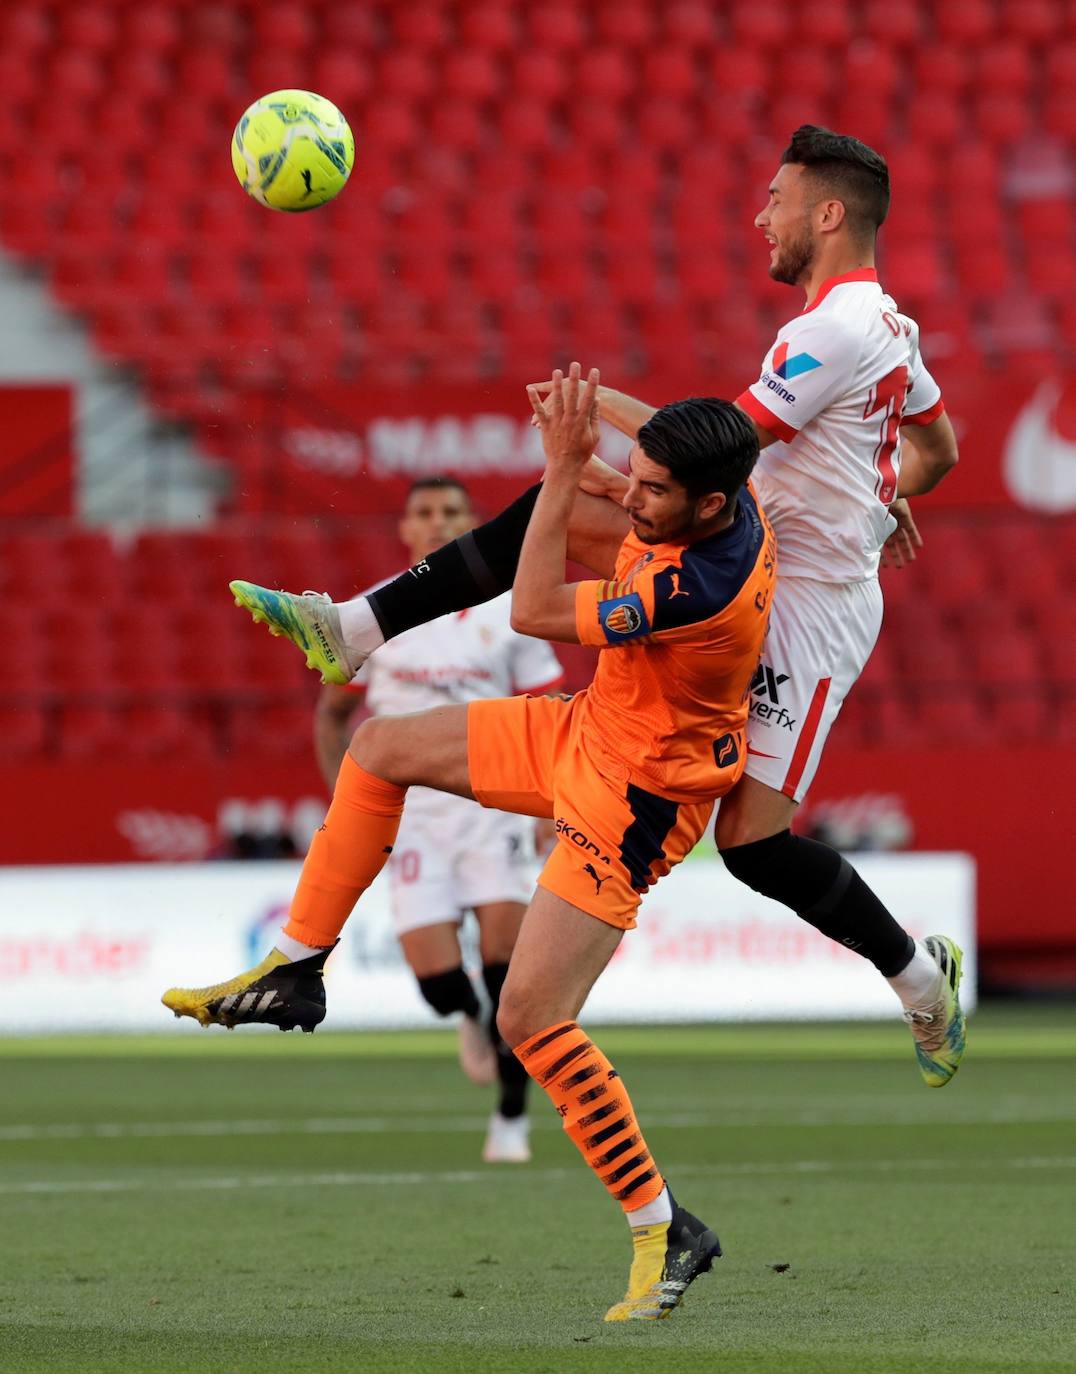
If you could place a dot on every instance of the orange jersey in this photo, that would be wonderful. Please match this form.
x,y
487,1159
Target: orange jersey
x,y
682,627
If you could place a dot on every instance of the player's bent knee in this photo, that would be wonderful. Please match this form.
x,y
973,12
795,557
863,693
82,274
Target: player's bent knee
x,y
369,744
516,1019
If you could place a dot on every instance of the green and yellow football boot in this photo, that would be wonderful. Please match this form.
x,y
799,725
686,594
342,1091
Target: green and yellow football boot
x,y
939,1029
310,621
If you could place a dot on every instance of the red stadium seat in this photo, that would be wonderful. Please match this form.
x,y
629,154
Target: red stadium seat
x,y
23,732
1031,21
625,24
526,127
965,21
872,69
151,28
459,123
539,74
689,25
558,26
942,66
1005,66
670,72
1002,116
489,25
829,22
894,23
1060,112
935,120
473,74
288,26
758,26
91,29
610,76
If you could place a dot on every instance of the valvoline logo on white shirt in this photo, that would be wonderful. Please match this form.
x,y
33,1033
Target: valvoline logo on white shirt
x,y
787,368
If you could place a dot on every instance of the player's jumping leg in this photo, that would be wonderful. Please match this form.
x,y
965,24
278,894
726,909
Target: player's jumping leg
x,y
823,888
345,856
560,952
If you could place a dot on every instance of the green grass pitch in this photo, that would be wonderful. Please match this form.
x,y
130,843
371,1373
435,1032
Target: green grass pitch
x,y
248,1202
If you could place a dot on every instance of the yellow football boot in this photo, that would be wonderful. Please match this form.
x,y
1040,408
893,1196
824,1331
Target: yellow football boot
x,y
277,992
667,1258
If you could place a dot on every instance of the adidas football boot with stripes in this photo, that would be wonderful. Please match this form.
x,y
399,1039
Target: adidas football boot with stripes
x,y
310,621
668,1257
277,992
939,1031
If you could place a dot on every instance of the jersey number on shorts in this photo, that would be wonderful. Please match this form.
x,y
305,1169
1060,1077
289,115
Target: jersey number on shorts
x,y
888,397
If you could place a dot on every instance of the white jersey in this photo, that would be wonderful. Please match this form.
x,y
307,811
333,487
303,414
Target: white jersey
x,y
840,380
466,656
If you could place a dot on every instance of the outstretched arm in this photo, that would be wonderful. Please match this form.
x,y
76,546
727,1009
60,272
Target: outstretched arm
x,y
543,603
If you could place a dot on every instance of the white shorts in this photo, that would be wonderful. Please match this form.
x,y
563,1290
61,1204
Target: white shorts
x,y
821,635
452,855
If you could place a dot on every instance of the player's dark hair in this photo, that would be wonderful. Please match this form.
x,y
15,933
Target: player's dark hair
x,y
707,445
437,482
846,169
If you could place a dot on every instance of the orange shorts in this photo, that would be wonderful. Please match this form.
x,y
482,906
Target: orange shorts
x,y
614,838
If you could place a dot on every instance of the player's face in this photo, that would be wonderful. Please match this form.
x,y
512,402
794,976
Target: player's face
x,y
432,517
786,224
659,508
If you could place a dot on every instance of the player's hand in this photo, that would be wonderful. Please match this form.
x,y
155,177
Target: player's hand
x,y
899,549
569,420
545,390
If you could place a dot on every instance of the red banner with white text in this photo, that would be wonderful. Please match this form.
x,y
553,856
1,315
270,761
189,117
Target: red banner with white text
x,y
354,450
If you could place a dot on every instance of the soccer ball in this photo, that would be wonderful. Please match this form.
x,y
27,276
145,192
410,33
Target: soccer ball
x,y
293,150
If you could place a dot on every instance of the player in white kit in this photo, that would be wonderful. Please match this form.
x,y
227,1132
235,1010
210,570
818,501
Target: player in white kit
x,y
841,388
452,855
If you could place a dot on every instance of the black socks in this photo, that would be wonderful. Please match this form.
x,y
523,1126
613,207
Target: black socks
x,y
478,566
510,1072
826,891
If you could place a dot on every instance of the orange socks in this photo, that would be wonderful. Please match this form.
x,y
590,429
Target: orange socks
x,y
346,854
587,1092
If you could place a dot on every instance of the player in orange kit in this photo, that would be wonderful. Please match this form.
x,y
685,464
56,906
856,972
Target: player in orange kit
x,y
629,768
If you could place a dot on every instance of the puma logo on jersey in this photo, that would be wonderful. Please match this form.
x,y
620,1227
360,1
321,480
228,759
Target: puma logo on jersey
x,y
593,873
675,579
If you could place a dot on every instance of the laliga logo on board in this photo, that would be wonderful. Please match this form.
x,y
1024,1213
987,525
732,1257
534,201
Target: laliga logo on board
x,y
263,927
1039,459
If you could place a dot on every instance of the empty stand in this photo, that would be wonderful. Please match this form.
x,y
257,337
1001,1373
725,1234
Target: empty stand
x,y
531,181
138,193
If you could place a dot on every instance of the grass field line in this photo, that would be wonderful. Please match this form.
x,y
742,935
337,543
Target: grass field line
x,y
1045,1033
414,1178
1015,1114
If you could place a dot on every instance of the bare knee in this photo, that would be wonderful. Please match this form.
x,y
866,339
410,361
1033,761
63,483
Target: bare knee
x,y
371,746
517,1017
750,812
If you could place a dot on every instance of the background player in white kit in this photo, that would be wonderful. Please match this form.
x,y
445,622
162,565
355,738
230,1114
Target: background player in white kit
x,y
839,389
452,855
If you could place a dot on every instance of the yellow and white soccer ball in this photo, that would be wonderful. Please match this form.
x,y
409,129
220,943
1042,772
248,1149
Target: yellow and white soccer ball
x,y
293,150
